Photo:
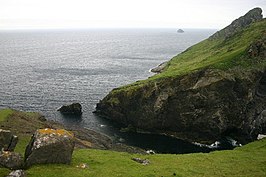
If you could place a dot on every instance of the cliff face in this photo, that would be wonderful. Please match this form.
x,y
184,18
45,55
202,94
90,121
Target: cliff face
x,y
206,102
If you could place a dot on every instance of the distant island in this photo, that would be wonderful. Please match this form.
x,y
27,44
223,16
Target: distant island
x,y
180,31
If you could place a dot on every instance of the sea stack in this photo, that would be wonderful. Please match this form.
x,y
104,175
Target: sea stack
x,y
180,31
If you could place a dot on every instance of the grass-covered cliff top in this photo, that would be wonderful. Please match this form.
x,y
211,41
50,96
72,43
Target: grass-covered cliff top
x,y
248,160
218,53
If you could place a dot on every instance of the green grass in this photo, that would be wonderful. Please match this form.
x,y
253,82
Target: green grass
x,y
249,160
4,113
218,54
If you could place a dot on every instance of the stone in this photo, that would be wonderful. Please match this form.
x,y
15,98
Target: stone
x,y
50,146
11,160
261,136
8,141
159,68
74,109
17,173
141,161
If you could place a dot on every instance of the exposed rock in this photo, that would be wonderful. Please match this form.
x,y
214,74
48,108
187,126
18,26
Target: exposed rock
x,y
11,160
74,109
258,49
8,141
159,68
200,106
240,23
50,146
141,161
180,31
17,173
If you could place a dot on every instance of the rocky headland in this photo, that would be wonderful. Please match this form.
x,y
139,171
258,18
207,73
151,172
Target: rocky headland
x,y
214,89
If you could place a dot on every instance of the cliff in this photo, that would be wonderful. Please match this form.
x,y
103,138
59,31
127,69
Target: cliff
x,y
215,88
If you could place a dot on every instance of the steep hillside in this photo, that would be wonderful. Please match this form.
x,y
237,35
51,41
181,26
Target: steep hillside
x,y
214,88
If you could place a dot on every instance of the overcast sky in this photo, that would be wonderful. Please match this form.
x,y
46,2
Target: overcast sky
x,y
42,14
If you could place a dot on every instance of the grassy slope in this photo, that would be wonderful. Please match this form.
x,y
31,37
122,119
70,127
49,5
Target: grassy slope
x,y
248,160
218,53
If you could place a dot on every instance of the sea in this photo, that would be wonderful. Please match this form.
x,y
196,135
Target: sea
x,y
42,70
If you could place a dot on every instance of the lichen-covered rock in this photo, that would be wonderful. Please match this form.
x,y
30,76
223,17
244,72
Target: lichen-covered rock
x,y
17,173
50,146
8,141
74,109
11,160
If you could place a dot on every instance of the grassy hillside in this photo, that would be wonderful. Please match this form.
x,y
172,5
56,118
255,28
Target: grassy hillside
x,y
248,160
217,53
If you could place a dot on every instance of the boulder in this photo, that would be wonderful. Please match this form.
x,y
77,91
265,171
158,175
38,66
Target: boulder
x,y
11,160
74,109
50,146
17,173
8,141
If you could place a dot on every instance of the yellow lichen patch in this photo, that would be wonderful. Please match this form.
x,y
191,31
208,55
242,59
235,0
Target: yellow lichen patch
x,y
60,132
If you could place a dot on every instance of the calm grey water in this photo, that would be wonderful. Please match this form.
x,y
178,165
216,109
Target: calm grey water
x,y
42,70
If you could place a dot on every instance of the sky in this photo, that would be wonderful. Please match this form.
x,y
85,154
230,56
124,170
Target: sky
x,y
54,14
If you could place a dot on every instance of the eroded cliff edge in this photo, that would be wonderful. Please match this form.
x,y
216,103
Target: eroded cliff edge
x,y
215,88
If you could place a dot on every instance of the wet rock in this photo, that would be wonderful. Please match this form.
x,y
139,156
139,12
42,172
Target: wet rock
x,y
141,161
17,173
74,109
11,160
8,141
50,146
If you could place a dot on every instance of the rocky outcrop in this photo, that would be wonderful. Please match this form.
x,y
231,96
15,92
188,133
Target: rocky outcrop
x,y
8,141
201,106
224,96
74,109
11,160
50,146
239,24
180,31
